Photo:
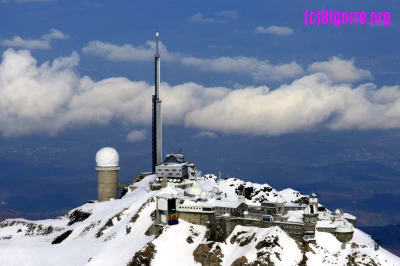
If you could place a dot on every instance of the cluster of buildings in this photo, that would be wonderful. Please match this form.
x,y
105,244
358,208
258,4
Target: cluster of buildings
x,y
211,209
192,203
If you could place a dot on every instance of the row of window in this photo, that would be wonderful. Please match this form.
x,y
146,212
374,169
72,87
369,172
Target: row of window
x,y
294,232
167,170
292,227
198,208
191,208
224,209
293,208
326,229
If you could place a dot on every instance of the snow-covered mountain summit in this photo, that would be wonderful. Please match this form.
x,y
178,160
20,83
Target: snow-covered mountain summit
x,y
120,232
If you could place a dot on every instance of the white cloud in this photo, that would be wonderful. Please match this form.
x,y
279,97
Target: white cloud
x,y
199,18
206,134
308,104
259,70
44,43
229,14
221,17
50,97
126,52
340,70
136,135
280,31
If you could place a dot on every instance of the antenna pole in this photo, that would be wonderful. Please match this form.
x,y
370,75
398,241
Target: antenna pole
x,y
157,117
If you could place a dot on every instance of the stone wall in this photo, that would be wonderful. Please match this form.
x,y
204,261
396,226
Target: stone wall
x,y
195,218
342,237
107,185
222,227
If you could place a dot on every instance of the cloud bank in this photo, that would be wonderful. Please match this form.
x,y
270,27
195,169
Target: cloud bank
x,y
51,97
340,70
126,52
275,30
136,135
43,43
221,17
259,70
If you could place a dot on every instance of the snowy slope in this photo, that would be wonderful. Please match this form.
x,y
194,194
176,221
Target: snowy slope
x,y
114,233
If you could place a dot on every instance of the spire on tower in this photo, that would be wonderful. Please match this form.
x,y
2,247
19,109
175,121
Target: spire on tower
x,y
157,54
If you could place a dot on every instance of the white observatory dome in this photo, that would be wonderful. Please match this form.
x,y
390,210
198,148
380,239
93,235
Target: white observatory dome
x,y
338,212
280,200
194,190
215,190
107,157
344,228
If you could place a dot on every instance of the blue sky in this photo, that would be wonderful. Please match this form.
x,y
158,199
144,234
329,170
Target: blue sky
x,y
295,78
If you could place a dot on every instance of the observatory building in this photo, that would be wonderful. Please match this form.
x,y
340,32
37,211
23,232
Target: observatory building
x,y
107,160
175,168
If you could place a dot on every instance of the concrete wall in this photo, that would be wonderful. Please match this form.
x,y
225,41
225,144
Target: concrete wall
x,y
222,227
342,237
107,184
195,218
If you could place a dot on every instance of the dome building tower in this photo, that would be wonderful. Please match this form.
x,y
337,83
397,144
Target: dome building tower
x,y
107,160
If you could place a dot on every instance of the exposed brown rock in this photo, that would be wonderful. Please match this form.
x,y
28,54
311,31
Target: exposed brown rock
x,y
240,261
203,255
144,256
268,243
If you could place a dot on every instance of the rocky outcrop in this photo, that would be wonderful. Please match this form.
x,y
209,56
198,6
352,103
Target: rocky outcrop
x,y
78,216
240,261
61,237
207,255
144,256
